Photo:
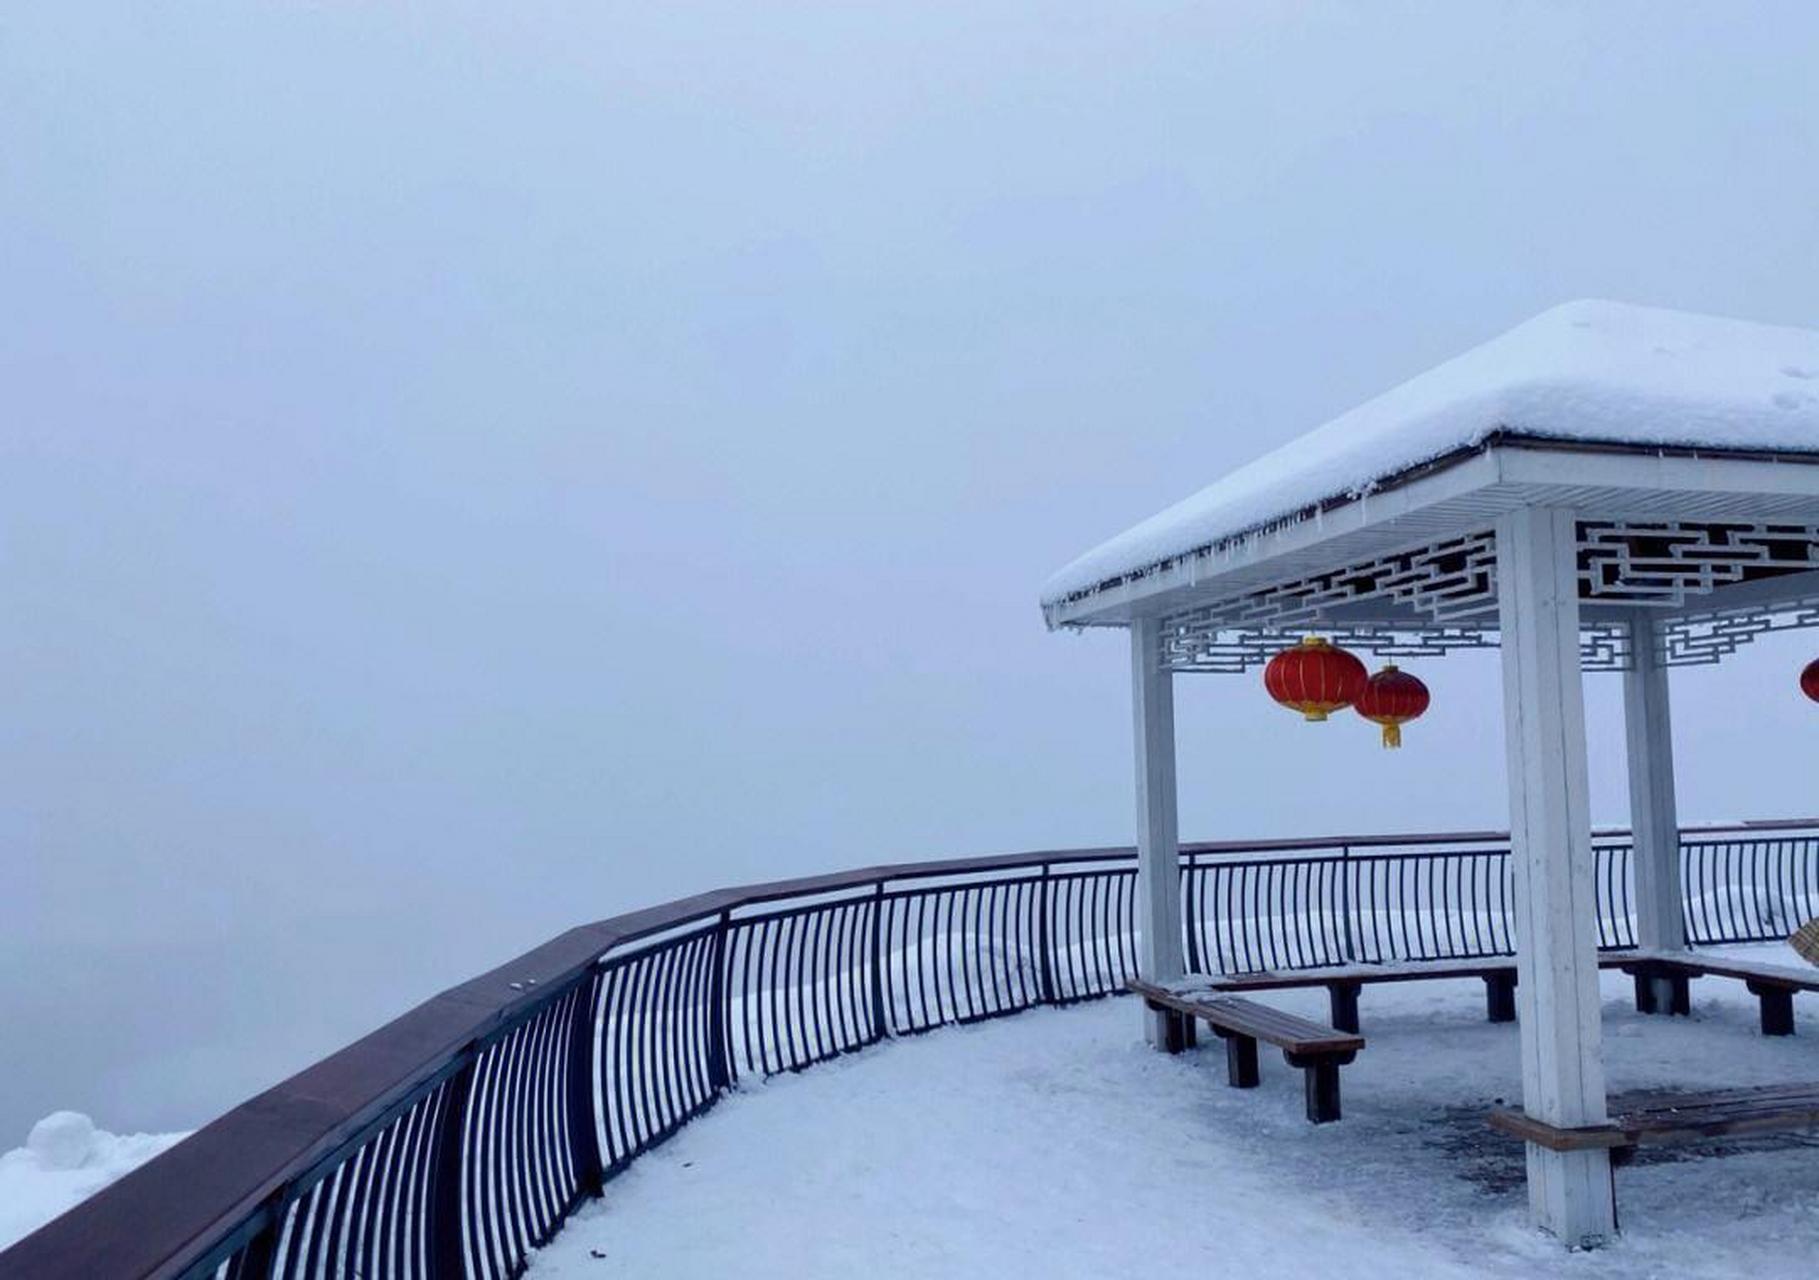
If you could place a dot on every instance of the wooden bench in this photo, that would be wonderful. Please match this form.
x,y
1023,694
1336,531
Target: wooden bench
x,y
1772,985
1344,982
1317,1051
1651,1120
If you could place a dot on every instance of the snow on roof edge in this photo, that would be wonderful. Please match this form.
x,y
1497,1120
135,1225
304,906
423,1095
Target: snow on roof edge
x,y
1283,521
1594,373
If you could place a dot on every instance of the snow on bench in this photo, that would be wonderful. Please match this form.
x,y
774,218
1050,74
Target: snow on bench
x,y
1343,983
1318,1051
1772,984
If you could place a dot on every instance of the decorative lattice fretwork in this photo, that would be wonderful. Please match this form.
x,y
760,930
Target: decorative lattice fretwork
x,y
1602,647
1446,581
1694,639
1428,601
1448,585
1233,652
1663,562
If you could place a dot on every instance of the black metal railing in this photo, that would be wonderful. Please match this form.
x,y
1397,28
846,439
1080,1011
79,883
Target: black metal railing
x,y
455,1140
1370,901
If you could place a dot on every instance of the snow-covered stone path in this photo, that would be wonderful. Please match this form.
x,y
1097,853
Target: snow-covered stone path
x,y
1054,1144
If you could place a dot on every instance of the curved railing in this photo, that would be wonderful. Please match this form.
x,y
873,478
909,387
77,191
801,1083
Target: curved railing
x,y
456,1139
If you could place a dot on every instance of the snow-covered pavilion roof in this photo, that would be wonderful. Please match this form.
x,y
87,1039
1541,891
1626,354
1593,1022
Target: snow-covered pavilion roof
x,y
1588,374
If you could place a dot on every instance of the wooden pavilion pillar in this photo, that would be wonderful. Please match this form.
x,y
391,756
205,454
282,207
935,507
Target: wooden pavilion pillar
x,y
1551,851
1655,865
1158,836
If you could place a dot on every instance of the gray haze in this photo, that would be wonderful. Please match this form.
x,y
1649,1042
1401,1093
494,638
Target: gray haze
x,y
471,468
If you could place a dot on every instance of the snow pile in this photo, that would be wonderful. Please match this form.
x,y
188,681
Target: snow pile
x,y
1055,1144
65,1161
1595,371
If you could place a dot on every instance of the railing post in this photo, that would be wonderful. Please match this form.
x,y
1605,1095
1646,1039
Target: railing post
x,y
447,1201
1045,961
1189,921
1767,901
1686,887
719,1067
255,1260
879,1030
583,1129
1345,902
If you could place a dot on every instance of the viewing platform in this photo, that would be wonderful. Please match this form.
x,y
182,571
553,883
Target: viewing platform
x,y
1053,1144
458,1140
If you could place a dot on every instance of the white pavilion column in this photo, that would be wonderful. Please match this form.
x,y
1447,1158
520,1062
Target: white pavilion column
x,y
1158,837
1551,849
1655,867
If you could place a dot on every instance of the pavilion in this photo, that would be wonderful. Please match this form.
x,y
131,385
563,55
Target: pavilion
x,y
1605,488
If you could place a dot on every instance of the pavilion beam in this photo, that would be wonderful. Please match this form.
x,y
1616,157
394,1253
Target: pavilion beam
x,y
1655,862
1158,833
1551,852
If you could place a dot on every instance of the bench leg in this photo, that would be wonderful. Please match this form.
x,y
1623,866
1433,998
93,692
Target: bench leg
x,y
1322,1080
1777,1011
1645,992
1343,999
1241,1062
1177,1032
1667,993
1680,990
1500,997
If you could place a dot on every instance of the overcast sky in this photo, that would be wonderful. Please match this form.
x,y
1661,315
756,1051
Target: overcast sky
x,y
471,468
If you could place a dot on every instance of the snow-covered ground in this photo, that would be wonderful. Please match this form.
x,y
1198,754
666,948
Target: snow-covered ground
x,y
65,1160
1055,1144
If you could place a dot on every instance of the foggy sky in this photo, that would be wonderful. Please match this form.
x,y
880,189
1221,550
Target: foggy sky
x,y
467,469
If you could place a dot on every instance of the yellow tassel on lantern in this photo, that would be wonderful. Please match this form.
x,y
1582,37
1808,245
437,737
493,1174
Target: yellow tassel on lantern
x,y
1392,735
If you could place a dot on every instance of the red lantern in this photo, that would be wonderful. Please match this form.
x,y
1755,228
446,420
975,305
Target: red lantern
x,y
1809,680
1314,678
1392,698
